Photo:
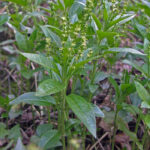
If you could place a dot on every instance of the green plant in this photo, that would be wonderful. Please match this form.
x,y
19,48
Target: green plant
x,y
65,57
67,38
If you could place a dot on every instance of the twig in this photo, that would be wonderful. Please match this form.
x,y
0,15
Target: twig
x,y
99,140
101,146
3,9
88,147
9,85
9,74
35,76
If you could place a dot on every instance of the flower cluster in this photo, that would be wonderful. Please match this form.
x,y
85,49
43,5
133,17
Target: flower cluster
x,y
48,41
74,40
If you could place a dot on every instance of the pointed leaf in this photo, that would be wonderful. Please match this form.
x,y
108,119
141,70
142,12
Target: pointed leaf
x,y
52,35
108,35
97,111
39,59
19,2
84,111
98,23
115,85
21,41
93,88
19,145
126,50
49,87
139,68
30,98
43,128
142,92
3,19
121,19
145,105
14,133
49,139
76,8
68,3
147,120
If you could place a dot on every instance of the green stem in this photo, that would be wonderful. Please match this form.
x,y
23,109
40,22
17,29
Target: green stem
x,y
89,99
148,63
49,115
92,78
83,138
136,129
63,119
115,129
144,137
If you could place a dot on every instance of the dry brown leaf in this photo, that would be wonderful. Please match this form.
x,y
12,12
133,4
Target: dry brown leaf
x,y
3,9
123,140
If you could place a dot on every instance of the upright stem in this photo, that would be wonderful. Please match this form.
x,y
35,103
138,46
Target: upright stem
x,y
89,99
92,78
63,119
114,132
49,115
83,138
144,137
148,62
136,129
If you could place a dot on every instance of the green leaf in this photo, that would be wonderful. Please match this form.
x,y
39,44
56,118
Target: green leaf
x,y
97,111
19,2
26,73
14,133
93,88
145,8
84,111
39,59
115,85
19,145
68,3
131,108
126,50
48,33
106,10
3,19
50,139
3,131
142,29
147,120
142,92
76,8
98,23
127,89
43,128
133,64
121,19
126,19
30,98
21,41
108,35
145,105
49,87
100,76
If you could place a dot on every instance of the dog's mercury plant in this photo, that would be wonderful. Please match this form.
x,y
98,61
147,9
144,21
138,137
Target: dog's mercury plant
x,y
65,56
69,27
